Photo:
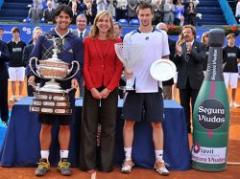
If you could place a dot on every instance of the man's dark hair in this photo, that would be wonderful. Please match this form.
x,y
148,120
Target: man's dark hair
x,y
15,29
63,8
144,5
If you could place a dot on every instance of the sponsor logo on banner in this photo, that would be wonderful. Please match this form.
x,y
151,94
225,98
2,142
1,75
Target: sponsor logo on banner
x,y
211,114
209,155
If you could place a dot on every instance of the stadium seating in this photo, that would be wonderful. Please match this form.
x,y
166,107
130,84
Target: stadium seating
x,y
211,13
14,10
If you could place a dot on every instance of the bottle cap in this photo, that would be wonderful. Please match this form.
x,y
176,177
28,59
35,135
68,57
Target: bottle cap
x,y
216,37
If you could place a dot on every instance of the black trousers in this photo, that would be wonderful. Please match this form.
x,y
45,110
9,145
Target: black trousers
x,y
188,96
4,99
106,115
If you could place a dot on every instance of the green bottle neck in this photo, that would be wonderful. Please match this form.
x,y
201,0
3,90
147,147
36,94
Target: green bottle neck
x,y
214,67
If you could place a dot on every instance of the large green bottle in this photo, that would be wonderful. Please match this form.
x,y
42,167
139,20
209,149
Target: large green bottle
x,y
211,112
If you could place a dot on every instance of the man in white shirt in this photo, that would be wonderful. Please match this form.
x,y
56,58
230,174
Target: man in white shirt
x,y
147,94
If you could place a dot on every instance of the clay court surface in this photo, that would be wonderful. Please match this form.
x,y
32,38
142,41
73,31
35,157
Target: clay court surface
x,y
231,172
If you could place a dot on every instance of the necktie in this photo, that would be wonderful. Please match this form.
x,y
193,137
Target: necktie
x,y
81,35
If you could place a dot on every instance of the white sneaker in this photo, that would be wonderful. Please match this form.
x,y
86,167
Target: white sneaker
x,y
160,168
127,166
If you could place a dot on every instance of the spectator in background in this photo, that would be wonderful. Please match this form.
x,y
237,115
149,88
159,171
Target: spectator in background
x,y
94,10
39,4
195,2
62,2
77,4
179,13
37,31
191,12
89,12
121,9
75,13
48,14
82,7
35,14
237,13
111,8
204,41
117,28
4,58
82,32
101,5
1,32
168,10
54,3
158,11
131,9
16,66
231,58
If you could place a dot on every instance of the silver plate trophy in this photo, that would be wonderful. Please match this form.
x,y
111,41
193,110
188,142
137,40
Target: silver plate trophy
x,y
129,55
51,98
163,70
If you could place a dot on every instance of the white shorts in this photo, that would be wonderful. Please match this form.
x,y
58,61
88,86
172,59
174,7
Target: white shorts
x,y
16,73
231,79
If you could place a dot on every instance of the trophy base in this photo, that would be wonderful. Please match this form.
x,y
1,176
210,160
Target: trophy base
x,y
51,103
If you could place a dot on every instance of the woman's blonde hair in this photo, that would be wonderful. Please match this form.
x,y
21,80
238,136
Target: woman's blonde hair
x,y
180,40
95,31
205,34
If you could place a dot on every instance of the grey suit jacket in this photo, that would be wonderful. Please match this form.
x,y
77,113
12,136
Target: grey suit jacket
x,y
75,32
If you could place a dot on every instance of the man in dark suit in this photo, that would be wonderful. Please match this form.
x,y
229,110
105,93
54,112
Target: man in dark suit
x,y
189,59
37,31
4,57
82,32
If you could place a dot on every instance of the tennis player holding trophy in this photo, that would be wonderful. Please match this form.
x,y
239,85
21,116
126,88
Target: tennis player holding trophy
x,y
148,93
56,56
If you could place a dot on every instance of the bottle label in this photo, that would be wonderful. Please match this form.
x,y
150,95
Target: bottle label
x,y
214,69
211,114
209,155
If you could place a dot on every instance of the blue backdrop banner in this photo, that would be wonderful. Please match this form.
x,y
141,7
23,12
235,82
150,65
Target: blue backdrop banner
x,y
26,30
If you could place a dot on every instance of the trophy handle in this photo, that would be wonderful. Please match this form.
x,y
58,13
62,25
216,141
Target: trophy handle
x,y
35,87
70,70
30,65
68,90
